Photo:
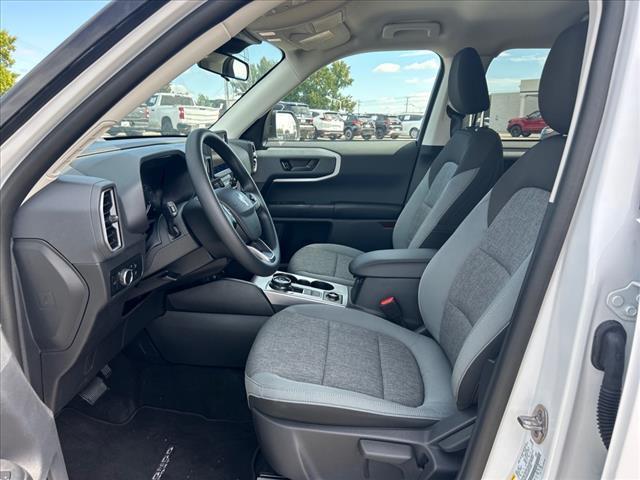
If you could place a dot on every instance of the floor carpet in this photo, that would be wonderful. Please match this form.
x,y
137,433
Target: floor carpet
x,y
156,444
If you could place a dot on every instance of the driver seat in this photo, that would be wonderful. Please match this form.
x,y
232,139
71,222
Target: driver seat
x,y
340,393
461,174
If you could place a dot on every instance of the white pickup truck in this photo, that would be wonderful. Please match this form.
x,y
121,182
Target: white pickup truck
x,y
171,113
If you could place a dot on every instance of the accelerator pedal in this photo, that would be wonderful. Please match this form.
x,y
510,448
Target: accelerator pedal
x,y
106,371
92,392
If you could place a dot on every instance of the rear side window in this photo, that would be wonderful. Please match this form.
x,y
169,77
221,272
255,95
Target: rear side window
x,y
514,80
173,100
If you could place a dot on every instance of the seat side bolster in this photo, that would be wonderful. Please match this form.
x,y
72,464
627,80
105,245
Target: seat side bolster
x,y
483,340
443,268
454,189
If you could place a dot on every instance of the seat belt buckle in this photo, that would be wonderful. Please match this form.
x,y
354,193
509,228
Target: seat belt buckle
x,y
391,309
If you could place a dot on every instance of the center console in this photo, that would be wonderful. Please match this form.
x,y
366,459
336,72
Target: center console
x,y
390,275
283,289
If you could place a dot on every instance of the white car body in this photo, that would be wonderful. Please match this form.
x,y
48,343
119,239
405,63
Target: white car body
x,y
327,124
411,124
168,111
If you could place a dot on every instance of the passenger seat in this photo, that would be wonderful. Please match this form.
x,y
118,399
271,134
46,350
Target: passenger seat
x,y
462,173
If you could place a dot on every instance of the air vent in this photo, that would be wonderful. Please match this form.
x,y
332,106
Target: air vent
x,y
110,220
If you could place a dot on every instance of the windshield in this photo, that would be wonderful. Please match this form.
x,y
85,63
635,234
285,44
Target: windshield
x,y
197,98
331,116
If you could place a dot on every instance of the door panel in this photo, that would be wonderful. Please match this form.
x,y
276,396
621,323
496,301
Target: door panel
x,y
29,443
351,193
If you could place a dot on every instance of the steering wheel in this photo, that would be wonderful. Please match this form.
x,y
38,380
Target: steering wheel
x,y
238,215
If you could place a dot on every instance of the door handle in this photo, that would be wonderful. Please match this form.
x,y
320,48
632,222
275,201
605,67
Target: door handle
x,y
299,164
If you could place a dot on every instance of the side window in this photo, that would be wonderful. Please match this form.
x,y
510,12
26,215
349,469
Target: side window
x,y
369,96
514,78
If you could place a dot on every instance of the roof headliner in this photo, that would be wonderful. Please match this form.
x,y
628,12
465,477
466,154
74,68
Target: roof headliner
x,y
514,23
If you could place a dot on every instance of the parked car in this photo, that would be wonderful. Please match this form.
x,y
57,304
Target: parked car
x,y
387,125
411,124
547,132
302,113
525,126
171,113
134,123
328,124
358,125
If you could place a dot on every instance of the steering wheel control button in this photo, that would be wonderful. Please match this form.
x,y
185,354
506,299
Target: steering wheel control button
x,y
281,283
126,274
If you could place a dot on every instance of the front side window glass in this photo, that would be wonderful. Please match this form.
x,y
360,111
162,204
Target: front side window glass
x,y
368,96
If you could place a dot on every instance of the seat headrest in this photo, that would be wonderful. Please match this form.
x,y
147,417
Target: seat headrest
x,y
560,77
468,92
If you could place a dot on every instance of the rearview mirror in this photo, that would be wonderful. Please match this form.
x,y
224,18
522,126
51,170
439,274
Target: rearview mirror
x,y
225,65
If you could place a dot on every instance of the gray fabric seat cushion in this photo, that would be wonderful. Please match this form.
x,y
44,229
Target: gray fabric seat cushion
x,y
325,261
343,366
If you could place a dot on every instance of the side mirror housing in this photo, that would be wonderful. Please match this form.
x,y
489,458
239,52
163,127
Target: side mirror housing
x,y
282,126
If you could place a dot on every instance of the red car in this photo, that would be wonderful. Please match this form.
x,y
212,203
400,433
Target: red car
x,y
525,126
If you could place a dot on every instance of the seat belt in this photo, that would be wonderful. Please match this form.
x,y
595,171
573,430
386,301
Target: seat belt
x,y
456,120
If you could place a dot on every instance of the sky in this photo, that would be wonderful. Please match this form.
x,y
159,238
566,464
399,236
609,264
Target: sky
x,y
392,82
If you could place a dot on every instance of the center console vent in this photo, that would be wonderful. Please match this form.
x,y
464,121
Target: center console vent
x,y
110,221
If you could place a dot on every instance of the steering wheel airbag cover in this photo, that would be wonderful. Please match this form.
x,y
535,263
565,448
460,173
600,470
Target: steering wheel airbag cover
x,y
243,209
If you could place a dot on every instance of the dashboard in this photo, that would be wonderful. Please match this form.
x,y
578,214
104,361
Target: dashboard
x,y
98,247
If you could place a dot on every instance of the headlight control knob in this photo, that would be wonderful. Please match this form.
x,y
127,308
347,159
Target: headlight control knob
x,y
125,277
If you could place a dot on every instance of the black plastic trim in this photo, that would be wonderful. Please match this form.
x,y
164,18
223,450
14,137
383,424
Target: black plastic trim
x,y
550,242
432,101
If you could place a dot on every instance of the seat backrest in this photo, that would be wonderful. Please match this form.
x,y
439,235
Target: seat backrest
x,y
470,288
462,173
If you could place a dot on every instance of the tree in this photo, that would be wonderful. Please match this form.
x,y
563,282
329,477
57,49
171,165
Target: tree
x,y
203,100
323,88
256,72
7,47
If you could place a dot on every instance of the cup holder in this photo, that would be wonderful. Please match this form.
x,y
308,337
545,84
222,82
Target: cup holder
x,y
288,275
321,285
